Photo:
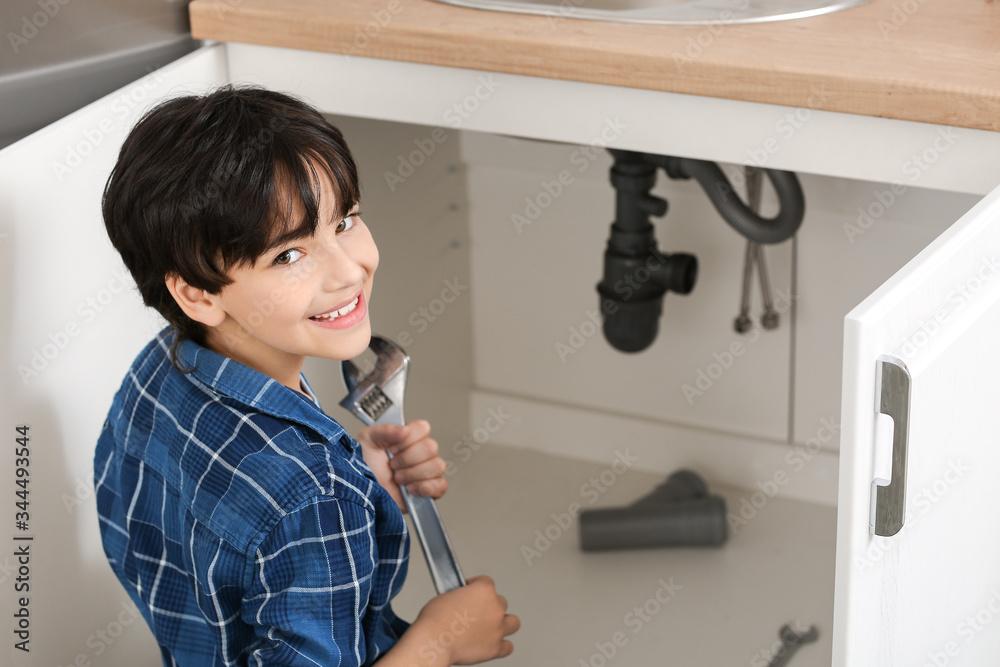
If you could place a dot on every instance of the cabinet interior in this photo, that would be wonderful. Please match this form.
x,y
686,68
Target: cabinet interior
x,y
494,310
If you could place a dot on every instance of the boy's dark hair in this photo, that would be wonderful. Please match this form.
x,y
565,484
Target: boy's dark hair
x,y
207,183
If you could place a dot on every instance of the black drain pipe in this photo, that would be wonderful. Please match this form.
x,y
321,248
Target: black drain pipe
x,y
636,274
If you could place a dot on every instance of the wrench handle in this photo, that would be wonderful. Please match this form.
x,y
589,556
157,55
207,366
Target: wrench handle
x,y
378,399
445,571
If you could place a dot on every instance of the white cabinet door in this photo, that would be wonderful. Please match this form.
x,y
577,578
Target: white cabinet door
x,y
930,593
71,322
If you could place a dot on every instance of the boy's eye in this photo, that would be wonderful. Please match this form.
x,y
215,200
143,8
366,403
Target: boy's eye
x,y
347,222
287,257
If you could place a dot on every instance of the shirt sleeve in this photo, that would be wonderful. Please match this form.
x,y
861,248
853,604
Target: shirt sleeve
x,y
312,582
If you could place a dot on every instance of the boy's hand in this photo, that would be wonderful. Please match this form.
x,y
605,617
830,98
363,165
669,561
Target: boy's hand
x,y
466,626
415,462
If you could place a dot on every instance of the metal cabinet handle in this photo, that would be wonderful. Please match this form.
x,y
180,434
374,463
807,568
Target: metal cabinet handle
x,y
892,389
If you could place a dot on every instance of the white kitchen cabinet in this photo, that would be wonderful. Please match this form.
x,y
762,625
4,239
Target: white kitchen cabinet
x,y
928,593
72,323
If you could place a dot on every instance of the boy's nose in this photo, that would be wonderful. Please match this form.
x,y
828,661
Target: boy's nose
x,y
339,268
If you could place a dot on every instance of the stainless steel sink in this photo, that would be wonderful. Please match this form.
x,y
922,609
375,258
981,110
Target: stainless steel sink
x,y
666,12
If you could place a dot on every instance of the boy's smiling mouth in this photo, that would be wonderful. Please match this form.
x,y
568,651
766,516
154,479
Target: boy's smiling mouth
x,y
340,313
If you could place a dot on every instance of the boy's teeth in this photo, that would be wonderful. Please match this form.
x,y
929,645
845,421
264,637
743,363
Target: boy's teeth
x,y
334,314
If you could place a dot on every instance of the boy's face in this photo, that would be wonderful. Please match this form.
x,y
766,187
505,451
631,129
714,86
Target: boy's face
x,y
305,298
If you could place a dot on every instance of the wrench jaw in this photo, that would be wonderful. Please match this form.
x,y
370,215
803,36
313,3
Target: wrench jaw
x,y
352,375
393,391
390,357
377,398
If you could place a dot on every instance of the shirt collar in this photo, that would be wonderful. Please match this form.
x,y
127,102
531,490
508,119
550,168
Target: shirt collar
x,y
229,377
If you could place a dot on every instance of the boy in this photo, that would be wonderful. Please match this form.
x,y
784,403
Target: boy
x,y
248,527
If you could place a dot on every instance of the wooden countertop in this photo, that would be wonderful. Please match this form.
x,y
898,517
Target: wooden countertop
x,y
933,61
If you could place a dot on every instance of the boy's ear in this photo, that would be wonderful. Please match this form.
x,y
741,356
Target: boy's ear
x,y
198,304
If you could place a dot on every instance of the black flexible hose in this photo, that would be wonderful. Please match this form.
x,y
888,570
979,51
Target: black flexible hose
x,y
732,209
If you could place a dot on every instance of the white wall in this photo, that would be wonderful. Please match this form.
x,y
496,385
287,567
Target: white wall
x,y
534,284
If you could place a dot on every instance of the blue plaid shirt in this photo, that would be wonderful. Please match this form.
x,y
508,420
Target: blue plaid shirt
x,y
242,519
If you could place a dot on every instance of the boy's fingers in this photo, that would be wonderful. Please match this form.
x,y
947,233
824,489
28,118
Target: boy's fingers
x,y
388,435
412,433
425,470
506,648
433,488
422,453
511,624
420,427
485,578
